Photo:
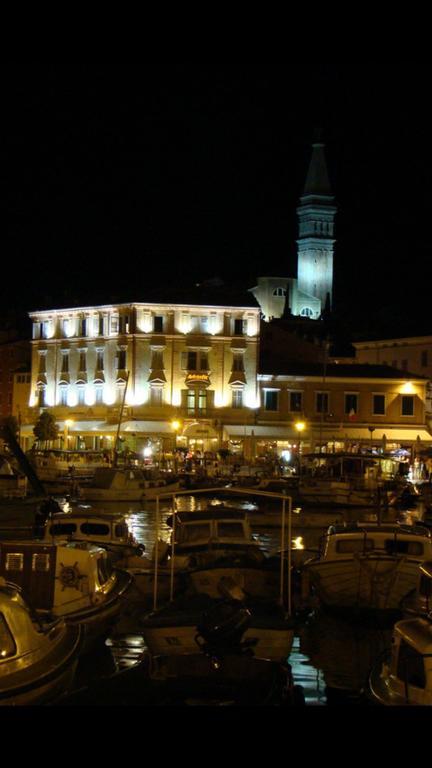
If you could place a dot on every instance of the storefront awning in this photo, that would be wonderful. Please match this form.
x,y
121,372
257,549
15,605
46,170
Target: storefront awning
x,y
83,427
328,432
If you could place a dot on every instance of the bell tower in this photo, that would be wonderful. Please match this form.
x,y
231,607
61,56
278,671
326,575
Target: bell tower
x,y
316,214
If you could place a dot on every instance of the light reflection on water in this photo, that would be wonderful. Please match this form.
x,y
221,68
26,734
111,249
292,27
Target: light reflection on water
x,y
331,657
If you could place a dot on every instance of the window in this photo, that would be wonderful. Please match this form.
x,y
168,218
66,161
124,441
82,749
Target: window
x,y
100,360
82,326
204,366
306,312
196,400
65,326
81,396
158,324
114,323
124,324
407,405
101,325
14,561
424,358
63,396
200,323
82,360
279,292
378,405
62,529
155,395
95,529
99,394
351,403
239,326
121,360
271,399
65,362
238,362
230,531
192,358
322,402
42,397
237,398
296,401
40,562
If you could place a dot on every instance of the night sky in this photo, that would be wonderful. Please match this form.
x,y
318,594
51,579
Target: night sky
x,y
119,177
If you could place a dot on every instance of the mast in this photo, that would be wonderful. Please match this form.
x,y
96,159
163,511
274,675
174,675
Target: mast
x,y
119,423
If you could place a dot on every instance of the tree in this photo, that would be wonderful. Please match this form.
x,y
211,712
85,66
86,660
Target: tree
x,y
46,429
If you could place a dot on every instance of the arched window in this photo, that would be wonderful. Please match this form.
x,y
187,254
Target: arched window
x,y
306,312
279,291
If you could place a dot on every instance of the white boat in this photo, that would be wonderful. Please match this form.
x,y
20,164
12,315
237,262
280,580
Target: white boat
x,y
114,484
419,601
346,480
104,530
73,580
57,465
404,676
185,626
368,565
217,543
37,659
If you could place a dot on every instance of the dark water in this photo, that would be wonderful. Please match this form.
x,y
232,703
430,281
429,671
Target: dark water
x,y
331,657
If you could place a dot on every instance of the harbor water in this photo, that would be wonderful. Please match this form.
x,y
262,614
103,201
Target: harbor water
x,y
331,656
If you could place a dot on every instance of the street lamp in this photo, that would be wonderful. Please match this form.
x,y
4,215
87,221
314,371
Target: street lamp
x,y
68,423
300,427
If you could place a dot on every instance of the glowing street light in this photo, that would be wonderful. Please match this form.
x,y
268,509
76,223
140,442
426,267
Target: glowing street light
x,y
300,427
68,423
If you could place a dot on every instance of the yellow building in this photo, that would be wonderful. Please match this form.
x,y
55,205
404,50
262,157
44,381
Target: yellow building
x,y
180,370
343,408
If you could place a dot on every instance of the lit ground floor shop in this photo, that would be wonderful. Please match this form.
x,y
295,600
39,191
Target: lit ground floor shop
x,y
260,441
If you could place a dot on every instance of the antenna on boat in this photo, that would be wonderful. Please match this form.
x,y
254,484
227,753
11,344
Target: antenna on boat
x,y
119,423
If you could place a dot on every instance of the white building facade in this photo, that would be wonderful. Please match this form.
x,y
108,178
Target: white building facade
x,y
173,372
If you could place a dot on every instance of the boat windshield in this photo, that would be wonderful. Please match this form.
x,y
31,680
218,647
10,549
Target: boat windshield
x,y
7,644
230,531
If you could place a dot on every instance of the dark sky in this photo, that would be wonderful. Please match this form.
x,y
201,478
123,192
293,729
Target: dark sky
x,y
120,176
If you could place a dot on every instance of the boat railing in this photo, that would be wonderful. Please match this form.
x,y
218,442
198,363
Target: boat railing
x,y
286,529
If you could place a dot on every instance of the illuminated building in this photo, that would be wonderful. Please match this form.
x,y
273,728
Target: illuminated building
x,y
309,293
352,405
191,363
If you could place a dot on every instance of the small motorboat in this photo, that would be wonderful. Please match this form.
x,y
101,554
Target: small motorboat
x,y
126,484
108,531
403,674
37,658
73,580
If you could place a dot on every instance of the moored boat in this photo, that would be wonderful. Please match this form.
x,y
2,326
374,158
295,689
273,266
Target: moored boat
x,y
125,484
182,626
73,580
368,565
104,530
403,676
37,659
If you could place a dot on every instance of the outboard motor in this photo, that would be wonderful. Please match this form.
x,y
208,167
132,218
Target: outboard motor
x,y
221,629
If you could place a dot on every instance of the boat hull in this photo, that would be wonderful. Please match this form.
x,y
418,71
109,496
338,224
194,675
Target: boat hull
x,y
378,583
46,680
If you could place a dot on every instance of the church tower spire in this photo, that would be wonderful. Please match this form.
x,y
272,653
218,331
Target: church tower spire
x,y
316,214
